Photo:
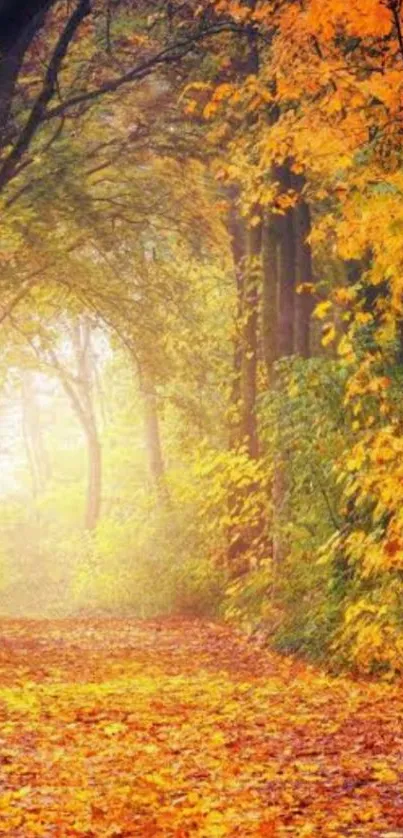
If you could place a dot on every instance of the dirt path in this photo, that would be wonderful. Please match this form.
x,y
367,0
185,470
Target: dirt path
x,y
182,729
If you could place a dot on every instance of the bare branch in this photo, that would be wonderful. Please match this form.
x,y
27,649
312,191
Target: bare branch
x,y
169,55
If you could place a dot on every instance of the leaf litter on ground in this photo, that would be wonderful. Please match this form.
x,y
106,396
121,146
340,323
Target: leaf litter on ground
x,y
119,728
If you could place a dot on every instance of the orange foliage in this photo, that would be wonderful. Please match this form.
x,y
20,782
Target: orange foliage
x,y
182,729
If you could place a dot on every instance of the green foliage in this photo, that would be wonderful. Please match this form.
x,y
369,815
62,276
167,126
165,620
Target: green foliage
x,y
248,599
300,604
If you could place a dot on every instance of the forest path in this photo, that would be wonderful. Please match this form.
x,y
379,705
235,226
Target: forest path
x,y
182,728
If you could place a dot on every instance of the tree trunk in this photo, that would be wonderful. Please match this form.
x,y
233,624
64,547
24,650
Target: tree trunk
x,y
236,229
246,242
304,303
286,319
12,51
94,479
19,24
16,18
10,66
156,464
237,235
252,284
250,340
84,389
270,294
240,539
287,271
78,386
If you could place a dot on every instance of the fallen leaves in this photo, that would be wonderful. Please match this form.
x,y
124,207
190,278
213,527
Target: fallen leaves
x,y
119,728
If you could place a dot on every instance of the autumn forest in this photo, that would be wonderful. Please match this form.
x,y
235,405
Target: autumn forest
x,y
201,418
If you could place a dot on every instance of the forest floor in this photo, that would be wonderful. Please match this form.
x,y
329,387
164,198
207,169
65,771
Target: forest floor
x,y
182,728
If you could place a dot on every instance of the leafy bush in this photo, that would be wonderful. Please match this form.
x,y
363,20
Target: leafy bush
x,y
147,565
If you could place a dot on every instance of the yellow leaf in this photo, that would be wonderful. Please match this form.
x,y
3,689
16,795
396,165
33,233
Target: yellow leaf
x,y
385,774
322,309
305,288
255,221
329,334
114,728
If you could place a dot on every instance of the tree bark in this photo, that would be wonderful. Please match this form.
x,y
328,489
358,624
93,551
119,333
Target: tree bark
x,y
237,234
17,17
270,294
10,66
287,271
236,230
250,340
11,162
286,320
252,283
79,390
19,24
84,391
156,464
304,303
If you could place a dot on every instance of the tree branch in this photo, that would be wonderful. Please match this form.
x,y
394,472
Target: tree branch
x,y
8,309
395,8
167,56
8,169
16,17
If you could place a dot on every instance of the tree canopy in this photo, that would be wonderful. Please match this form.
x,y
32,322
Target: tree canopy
x,y
201,315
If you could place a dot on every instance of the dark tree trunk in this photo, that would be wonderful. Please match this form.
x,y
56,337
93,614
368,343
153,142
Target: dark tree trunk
x,y
237,234
10,66
18,16
304,274
246,242
287,271
19,24
12,51
270,294
252,286
286,320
